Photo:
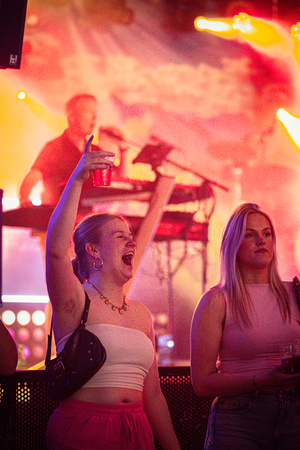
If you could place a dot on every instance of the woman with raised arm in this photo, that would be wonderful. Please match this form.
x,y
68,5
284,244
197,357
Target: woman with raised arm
x,y
237,331
118,407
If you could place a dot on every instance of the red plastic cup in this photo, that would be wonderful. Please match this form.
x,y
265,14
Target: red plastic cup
x,y
102,177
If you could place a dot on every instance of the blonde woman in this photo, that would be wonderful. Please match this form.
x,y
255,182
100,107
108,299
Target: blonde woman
x,y
121,406
237,330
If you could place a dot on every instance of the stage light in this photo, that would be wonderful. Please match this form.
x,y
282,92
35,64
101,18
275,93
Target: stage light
x,y
162,319
25,299
262,32
213,25
38,318
38,335
10,203
242,22
23,334
38,352
23,317
53,121
170,343
24,352
291,124
36,202
21,95
8,317
33,18
28,331
295,34
165,346
295,31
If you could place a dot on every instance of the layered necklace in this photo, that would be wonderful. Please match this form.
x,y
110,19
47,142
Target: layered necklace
x,y
108,302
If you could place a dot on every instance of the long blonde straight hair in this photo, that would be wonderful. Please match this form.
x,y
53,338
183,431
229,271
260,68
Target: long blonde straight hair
x,y
230,278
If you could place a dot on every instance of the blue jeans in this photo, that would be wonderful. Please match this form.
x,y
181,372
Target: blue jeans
x,y
258,420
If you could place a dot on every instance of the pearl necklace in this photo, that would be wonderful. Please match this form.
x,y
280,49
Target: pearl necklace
x,y
108,302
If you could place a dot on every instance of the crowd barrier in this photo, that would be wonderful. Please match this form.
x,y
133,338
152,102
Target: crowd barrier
x,y
25,409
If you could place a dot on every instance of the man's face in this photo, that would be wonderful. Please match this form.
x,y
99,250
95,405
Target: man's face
x,y
82,119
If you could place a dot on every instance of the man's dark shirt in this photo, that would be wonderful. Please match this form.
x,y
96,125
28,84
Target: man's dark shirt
x,y
56,161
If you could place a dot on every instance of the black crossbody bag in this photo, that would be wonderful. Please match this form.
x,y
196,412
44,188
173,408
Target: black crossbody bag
x,y
82,357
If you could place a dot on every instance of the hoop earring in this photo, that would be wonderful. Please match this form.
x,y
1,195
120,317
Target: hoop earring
x,y
101,264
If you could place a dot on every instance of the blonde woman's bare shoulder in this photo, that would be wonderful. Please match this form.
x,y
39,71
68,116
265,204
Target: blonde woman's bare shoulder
x,y
212,300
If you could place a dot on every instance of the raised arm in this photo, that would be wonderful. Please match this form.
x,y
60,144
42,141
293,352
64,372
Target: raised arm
x,y
64,288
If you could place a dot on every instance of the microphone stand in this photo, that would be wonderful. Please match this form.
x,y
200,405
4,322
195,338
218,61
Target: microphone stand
x,y
169,147
114,136
197,174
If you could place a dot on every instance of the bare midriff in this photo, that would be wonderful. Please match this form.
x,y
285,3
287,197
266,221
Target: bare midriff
x,y
108,396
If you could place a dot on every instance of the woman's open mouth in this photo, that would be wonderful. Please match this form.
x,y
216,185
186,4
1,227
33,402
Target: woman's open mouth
x,y
127,258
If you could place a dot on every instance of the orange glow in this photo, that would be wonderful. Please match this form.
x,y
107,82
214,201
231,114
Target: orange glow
x,y
292,125
54,122
295,34
259,32
21,95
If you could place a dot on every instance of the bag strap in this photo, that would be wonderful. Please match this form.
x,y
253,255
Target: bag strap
x,y
297,290
82,322
86,309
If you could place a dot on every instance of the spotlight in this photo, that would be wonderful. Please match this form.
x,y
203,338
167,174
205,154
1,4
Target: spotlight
x,y
26,323
38,352
23,334
21,95
33,19
291,124
166,341
38,317
8,317
165,346
222,26
23,317
38,335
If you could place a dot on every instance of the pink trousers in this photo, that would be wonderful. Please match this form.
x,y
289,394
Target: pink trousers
x,y
77,425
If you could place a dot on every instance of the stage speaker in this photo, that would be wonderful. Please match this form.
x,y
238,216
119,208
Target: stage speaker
x,y
12,23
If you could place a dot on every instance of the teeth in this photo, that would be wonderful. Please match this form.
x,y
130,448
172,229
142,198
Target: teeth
x,y
127,258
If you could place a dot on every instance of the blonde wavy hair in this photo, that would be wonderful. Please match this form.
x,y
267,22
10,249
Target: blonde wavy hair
x,y
230,277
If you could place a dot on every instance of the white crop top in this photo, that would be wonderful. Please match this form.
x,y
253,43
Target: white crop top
x,y
129,356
